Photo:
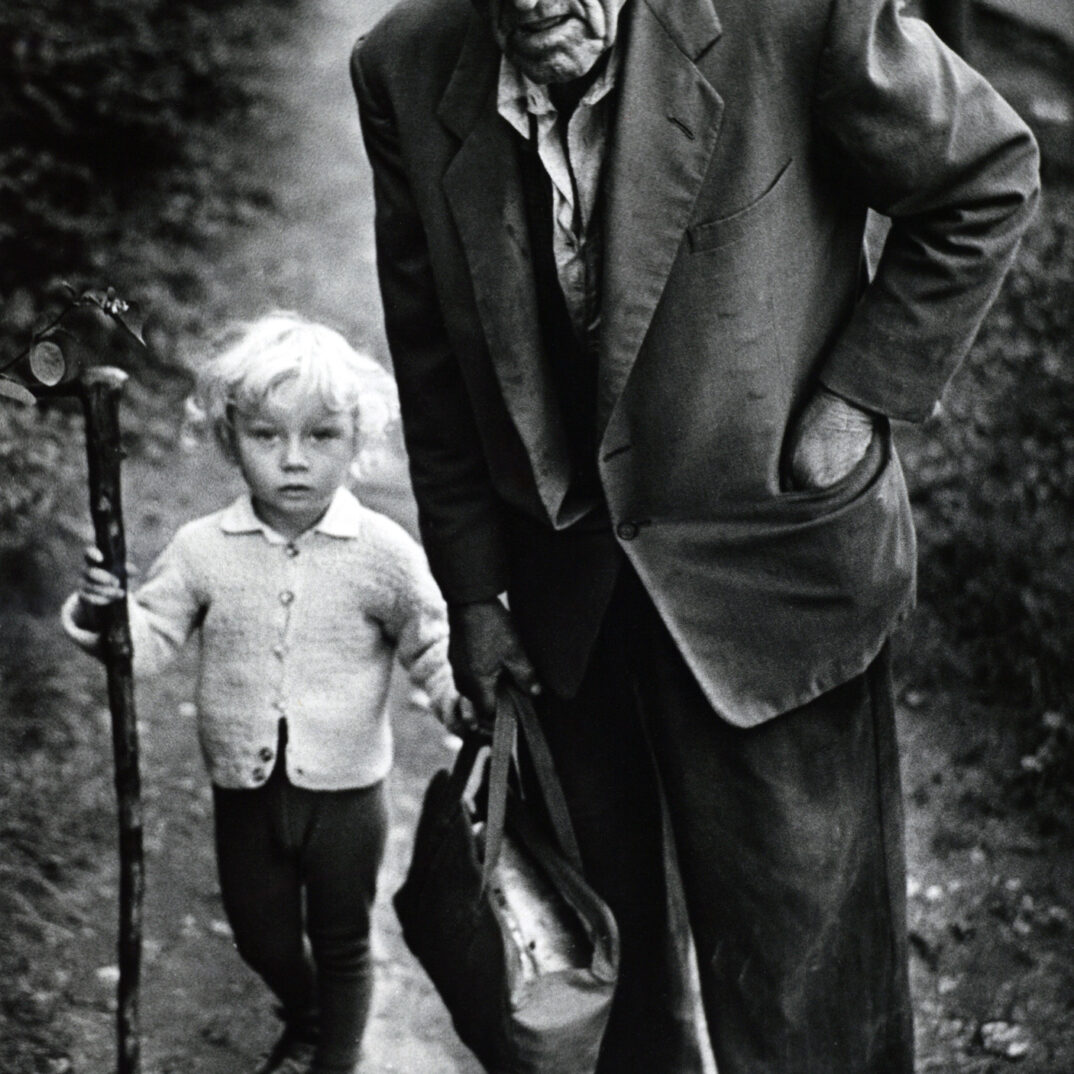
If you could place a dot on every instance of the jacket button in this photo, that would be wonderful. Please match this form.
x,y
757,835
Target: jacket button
x,y
258,774
265,754
627,531
286,597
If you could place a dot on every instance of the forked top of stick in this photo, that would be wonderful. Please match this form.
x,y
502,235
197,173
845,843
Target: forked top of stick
x,y
95,331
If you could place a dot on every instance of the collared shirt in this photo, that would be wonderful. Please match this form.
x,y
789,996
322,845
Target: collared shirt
x,y
573,159
305,630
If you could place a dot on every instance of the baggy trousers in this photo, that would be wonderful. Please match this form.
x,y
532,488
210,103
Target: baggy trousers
x,y
789,839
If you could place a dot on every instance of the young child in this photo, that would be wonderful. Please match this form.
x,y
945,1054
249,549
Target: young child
x,y
300,598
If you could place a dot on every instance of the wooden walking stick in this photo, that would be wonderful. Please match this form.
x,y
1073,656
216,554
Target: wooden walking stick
x,y
74,356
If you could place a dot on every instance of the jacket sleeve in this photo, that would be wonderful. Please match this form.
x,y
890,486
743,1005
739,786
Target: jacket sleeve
x,y
458,511
926,141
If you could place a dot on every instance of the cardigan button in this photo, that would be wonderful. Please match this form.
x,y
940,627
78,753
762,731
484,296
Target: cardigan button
x,y
258,774
266,754
286,597
627,531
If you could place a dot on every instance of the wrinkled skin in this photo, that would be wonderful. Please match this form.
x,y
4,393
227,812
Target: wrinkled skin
x,y
553,41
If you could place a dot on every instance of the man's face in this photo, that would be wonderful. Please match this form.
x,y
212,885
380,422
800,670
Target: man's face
x,y
554,40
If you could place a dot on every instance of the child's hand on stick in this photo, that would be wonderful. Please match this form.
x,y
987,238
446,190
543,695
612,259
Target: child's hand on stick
x,y
97,590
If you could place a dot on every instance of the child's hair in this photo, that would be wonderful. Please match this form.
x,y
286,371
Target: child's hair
x,y
282,347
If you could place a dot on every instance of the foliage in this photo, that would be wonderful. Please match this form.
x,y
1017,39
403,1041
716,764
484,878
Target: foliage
x,y
36,464
30,457
994,494
113,156
96,101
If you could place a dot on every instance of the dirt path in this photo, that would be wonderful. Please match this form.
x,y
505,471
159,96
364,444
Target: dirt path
x,y
990,901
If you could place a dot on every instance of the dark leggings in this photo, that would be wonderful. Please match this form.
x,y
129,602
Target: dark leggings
x,y
275,844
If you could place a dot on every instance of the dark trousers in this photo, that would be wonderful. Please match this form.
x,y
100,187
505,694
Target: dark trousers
x,y
790,845
277,844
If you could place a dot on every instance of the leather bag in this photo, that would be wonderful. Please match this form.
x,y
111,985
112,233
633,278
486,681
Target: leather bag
x,y
522,951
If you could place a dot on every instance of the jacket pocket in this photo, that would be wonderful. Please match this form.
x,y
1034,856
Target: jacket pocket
x,y
858,477
774,602
713,234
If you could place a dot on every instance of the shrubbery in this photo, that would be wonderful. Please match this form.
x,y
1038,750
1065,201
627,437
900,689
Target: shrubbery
x,y
994,492
113,120
97,99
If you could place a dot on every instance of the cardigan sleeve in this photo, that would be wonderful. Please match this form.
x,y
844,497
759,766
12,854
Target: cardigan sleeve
x,y
415,619
163,613
165,610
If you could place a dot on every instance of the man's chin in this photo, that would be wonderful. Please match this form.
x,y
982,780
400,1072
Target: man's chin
x,y
557,65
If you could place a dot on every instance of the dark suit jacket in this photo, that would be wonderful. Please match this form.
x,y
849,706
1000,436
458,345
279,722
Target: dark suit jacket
x,y
750,138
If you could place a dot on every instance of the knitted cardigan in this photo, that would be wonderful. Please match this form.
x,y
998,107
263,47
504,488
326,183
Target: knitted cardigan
x,y
304,630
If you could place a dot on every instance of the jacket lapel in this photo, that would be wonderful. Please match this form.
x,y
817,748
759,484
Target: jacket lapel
x,y
667,124
484,190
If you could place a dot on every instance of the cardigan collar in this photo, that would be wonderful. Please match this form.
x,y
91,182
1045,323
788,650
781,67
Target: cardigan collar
x,y
343,519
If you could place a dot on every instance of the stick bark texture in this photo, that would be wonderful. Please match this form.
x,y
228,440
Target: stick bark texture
x,y
101,389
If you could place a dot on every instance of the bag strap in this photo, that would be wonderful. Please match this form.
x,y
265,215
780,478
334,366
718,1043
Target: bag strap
x,y
503,748
513,710
548,782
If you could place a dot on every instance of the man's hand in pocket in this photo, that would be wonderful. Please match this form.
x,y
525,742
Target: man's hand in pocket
x,y
828,441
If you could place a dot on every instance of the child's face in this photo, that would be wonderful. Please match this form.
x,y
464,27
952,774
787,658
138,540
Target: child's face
x,y
294,453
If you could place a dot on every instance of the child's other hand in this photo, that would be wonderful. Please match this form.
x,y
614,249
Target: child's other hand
x,y
462,719
97,590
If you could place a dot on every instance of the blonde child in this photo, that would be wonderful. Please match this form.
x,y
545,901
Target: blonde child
x,y
300,599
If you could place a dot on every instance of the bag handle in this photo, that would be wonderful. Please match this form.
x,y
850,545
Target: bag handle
x,y
513,710
503,746
545,769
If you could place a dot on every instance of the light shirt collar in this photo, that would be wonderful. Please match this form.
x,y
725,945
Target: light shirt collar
x,y
519,97
572,155
342,519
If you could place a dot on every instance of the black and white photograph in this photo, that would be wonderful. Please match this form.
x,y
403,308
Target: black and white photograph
x,y
537,537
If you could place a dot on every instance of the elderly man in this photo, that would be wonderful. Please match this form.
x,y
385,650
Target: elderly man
x,y
646,388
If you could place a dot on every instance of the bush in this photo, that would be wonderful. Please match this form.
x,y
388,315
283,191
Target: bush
x,y
113,152
994,491
97,99
36,465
